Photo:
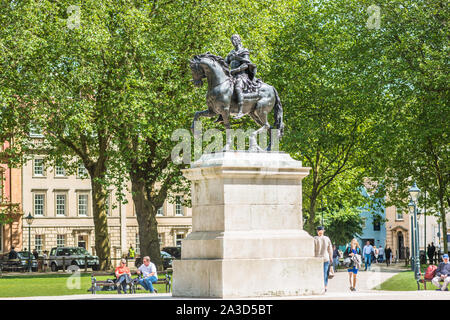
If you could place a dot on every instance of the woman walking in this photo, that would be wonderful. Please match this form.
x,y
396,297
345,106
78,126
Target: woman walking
x,y
353,252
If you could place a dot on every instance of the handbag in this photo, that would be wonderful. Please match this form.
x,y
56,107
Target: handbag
x,y
348,262
331,272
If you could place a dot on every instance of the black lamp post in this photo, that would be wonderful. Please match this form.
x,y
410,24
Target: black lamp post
x,y
29,219
414,192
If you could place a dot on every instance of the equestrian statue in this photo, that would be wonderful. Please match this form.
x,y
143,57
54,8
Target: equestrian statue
x,y
234,90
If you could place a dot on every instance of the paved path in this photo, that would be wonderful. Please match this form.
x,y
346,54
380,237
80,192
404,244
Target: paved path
x,y
338,289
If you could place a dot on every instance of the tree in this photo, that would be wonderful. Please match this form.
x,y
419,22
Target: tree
x,y
326,73
343,224
412,140
162,95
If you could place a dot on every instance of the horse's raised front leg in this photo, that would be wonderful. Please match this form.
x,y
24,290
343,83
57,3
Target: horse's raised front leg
x,y
253,145
198,114
226,123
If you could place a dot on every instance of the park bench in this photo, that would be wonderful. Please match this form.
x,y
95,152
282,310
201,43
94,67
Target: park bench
x,y
110,284
424,281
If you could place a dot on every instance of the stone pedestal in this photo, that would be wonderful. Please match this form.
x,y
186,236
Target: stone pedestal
x,y
247,238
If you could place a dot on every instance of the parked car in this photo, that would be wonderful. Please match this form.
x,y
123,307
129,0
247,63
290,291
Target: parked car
x,y
174,251
75,256
20,264
165,257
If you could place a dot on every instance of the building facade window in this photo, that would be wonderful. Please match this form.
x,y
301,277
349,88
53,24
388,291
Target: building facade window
x,y
398,214
178,206
38,242
376,225
160,211
39,204
83,205
2,182
61,200
60,240
38,168
138,244
60,171
108,204
178,239
160,239
82,172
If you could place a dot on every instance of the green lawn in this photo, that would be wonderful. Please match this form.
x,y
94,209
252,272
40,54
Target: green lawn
x,y
53,285
403,281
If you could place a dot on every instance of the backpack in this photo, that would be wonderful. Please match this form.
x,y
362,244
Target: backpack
x,y
430,272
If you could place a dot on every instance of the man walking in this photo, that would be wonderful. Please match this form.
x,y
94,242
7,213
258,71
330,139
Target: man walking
x,y
381,254
367,251
430,251
388,252
324,249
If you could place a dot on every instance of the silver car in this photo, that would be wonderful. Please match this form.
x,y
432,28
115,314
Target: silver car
x,y
72,256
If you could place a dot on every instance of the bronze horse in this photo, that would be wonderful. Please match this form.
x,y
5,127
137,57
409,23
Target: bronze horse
x,y
220,100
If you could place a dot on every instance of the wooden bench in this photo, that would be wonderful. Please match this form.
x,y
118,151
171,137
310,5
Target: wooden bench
x,y
98,285
424,281
167,281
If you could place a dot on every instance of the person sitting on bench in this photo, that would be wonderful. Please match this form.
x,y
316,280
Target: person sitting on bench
x,y
148,270
123,276
442,274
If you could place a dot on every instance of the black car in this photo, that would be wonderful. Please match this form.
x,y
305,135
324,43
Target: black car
x,y
174,251
166,259
22,263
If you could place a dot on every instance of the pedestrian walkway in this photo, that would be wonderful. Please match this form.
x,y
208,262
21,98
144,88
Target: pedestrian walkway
x,y
338,289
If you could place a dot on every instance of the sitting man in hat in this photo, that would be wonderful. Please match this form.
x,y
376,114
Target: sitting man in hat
x,y
324,249
442,274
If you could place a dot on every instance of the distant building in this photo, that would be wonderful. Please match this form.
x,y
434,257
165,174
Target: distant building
x,y
62,207
10,205
374,229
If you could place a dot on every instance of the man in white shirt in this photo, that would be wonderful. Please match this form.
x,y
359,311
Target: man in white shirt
x,y
148,270
367,252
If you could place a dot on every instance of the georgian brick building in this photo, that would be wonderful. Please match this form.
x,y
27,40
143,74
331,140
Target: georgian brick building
x,y
10,204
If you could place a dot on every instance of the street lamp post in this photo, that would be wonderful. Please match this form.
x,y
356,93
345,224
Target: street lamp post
x,y
413,252
29,219
414,192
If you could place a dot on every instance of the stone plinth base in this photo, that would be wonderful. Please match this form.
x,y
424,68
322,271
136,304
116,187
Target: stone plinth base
x,y
247,238
220,278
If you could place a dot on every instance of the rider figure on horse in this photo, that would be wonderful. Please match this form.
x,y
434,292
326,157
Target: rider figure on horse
x,y
243,72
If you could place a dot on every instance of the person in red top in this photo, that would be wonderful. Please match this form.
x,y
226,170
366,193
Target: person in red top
x,y
123,276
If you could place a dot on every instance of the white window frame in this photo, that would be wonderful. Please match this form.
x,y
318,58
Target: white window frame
x,y
38,175
36,132
38,244
137,244
176,239
397,210
82,172
160,212
58,204
179,212
59,174
2,188
60,237
86,205
43,194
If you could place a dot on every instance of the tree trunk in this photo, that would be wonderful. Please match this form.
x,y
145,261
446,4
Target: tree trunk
x,y
148,226
444,221
309,226
102,245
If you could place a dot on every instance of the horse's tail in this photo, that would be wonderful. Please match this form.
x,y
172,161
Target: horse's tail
x,y
278,114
